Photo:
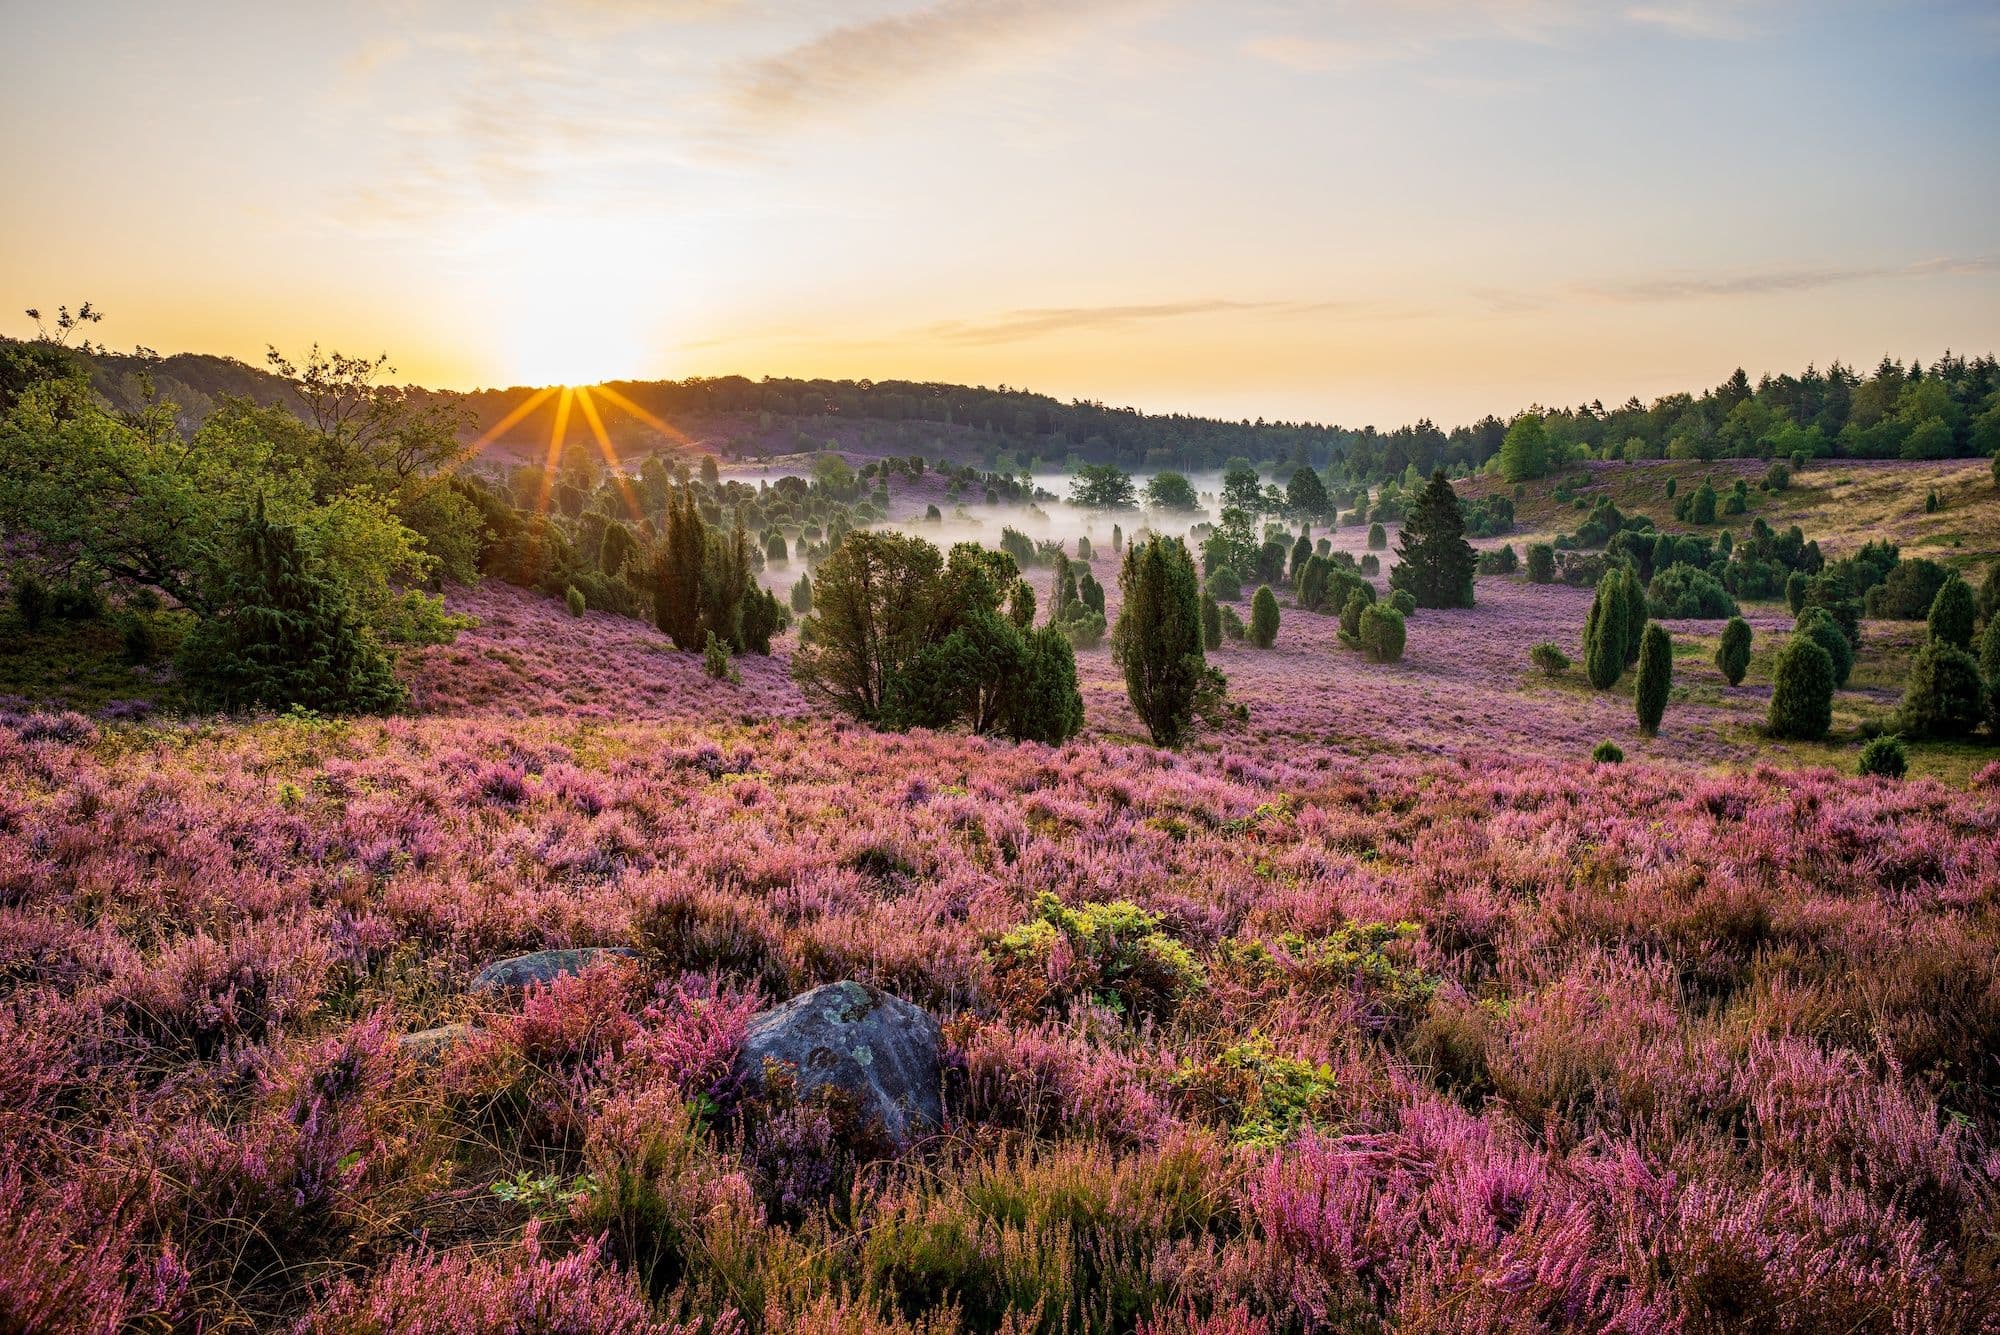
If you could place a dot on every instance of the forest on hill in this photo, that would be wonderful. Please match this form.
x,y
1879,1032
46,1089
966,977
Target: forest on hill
x,y
1948,408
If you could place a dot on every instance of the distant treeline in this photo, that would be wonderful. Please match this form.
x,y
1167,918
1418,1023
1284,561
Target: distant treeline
x,y
1949,408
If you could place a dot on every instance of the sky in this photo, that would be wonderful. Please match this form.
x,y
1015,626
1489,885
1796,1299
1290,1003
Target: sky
x,y
1355,212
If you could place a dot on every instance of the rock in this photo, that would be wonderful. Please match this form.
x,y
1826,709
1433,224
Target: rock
x,y
881,1050
544,966
428,1045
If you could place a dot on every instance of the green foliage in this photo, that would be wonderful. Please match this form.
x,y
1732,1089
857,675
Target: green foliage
x,y
573,596
1655,679
31,598
1378,538
1607,752
1989,650
281,633
802,595
1604,633
1223,585
1403,601
1381,633
715,659
1103,487
1360,598
1819,626
1503,560
1795,591
1908,590
1633,595
1211,623
1550,658
1263,1096
1701,504
1122,960
763,616
1524,452
1778,477
138,642
1434,561
1164,491
775,551
1732,656
872,613
1953,613
1541,563
1884,757
1042,702
1802,691
1158,639
1264,617
1944,697
1687,593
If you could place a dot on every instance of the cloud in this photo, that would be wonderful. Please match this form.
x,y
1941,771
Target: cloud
x,y
1779,281
1713,22
1316,55
1039,321
861,63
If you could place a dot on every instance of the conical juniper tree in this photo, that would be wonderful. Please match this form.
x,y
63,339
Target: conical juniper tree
x,y
285,634
1434,561
1604,633
1656,678
1158,639
677,572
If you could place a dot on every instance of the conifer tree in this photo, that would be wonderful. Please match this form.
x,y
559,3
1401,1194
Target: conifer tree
x,y
1264,617
677,572
1158,639
1656,677
1604,633
1435,562
285,634
1634,595
1732,656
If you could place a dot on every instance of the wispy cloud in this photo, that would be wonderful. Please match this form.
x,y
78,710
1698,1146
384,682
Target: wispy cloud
x,y
1730,22
862,63
1779,281
1316,55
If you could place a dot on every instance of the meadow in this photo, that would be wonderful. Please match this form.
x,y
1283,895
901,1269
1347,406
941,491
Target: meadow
x,y
1468,1031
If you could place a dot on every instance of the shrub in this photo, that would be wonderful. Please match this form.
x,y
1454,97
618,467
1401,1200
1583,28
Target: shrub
x,y
1656,676
802,595
1403,601
1500,561
31,598
1223,585
1908,591
1607,752
137,639
715,659
1819,626
1778,477
1795,592
1232,624
1989,650
1549,658
286,634
1944,697
1884,757
1264,617
1732,656
1685,593
1378,538
1211,622
1802,691
1114,955
1158,639
1541,563
1953,613
1371,564
1382,633
1358,601
1701,504
1604,632
573,596
1989,593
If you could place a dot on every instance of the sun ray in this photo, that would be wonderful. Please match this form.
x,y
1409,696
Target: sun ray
x,y
556,433
665,428
501,427
610,453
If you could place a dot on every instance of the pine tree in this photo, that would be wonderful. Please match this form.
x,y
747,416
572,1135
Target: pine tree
x,y
1656,677
285,634
1434,561
1158,639
677,572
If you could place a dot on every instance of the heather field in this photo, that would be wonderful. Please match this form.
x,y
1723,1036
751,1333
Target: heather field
x,y
1463,1031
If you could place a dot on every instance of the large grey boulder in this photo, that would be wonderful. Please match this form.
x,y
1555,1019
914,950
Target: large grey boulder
x,y
544,966
881,1051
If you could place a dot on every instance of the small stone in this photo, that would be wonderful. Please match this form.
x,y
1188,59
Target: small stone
x,y
428,1045
544,966
883,1052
